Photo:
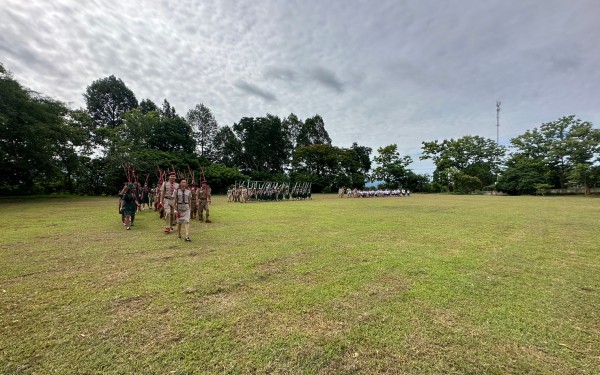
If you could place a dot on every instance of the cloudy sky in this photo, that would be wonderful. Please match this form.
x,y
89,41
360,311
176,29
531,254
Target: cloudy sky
x,y
378,72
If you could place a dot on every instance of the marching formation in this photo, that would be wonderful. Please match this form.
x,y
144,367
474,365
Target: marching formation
x,y
176,201
266,191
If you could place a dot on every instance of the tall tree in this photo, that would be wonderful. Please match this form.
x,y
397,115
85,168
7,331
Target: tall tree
x,y
205,128
327,167
363,156
522,174
147,106
172,134
392,169
319,164
567,148
293,125
583,148
137,130
38,140
227,148
265,145
107,99
313,132
351,171
167,110
473,156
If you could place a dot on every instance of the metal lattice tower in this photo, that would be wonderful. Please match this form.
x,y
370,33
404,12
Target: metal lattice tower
x,y
498,103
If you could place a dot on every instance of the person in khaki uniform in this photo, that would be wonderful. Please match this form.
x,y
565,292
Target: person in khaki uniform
x,y
193,205
203,199
167,200
183,197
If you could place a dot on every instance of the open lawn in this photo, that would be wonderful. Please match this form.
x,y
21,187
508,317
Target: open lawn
x,y
431,284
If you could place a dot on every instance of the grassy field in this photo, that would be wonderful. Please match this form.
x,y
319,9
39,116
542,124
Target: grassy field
x,y
431,284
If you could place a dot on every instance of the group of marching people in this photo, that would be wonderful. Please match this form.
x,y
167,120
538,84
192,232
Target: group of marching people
x,y
177,202
355,193
273,194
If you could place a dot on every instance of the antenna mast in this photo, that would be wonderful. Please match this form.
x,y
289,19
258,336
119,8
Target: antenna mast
x,y
498,103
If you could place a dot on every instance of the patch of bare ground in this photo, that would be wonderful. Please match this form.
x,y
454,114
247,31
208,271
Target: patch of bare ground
x,y
216,303
125,307
386,287
272,267
112,278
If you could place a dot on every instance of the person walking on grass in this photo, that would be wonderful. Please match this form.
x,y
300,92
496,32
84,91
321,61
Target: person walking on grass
x,y
120,205
167,200
129,205
203,199
145,197
194,206
183,197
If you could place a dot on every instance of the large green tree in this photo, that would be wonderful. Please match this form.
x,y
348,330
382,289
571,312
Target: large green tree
x,y
173,134
583,148
319,164
327,167
265,144
564,151
312,132
293,125
167,110
147,106
363,156
473,156
107,99
522,174
351,171
136,131
221,177
146,141
391,169
39,140
227,147
205,127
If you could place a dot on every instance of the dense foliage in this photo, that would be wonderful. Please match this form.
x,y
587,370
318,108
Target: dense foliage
x,y
46,147
562,153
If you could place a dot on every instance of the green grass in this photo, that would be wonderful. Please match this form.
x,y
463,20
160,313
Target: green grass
x,y
424,285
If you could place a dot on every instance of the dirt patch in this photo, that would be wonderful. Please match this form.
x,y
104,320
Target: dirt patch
x,y
125,307
384,288
271,267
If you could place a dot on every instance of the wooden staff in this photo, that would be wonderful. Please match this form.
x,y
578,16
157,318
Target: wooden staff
x,y
161,176
191,171
126,172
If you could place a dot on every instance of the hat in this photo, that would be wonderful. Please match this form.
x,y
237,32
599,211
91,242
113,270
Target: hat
x,y
171,174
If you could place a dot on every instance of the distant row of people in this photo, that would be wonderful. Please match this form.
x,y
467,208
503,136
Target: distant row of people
x,y
273,194
356,193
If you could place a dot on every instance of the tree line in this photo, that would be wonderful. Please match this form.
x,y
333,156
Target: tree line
x,y
47,147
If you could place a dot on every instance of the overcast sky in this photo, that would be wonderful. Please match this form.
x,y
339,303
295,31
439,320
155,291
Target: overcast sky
x,y
378,72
